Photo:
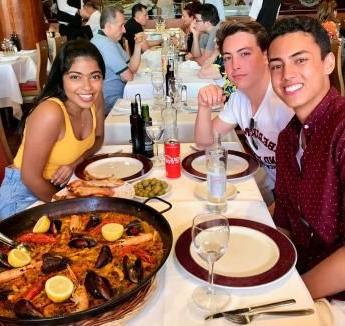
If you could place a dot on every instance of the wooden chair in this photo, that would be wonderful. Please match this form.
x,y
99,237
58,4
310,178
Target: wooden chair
x,y
5,152
336,77
31,89
58,42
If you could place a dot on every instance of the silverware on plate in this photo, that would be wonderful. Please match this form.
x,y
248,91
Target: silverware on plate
x,y
247,318
252,309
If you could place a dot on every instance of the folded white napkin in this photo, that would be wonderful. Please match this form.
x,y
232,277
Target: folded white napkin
x,y
189,64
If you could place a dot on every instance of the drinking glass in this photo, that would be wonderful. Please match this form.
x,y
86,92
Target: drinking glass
x,y
175,88
210,235
155,131
157,83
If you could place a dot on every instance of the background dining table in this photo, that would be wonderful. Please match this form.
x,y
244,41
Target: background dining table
x,y
15,69
171,303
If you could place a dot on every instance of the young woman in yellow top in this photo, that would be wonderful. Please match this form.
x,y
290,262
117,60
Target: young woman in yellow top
x,y
66,126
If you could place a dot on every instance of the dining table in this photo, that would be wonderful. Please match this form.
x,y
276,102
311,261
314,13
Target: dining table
x,y
17,68
117,127
186,71
171,301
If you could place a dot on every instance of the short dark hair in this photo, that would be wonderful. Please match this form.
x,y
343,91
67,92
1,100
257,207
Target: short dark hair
x,y
63,62
136,8
193,8
303,24
209,13
250,27
109,14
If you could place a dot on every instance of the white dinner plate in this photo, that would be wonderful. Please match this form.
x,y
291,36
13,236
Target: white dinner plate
x,y
257,255
125,166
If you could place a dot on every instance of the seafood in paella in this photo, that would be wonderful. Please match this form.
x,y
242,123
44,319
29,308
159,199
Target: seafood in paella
x,y
76,262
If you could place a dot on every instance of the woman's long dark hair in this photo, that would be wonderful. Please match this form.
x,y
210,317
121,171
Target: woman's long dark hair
x,y
63,62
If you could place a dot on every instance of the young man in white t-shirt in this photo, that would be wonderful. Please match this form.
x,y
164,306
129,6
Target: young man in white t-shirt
x,y
254,106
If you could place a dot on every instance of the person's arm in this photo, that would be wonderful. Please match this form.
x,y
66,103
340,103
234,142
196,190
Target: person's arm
x,y
42,131
196,50
208,97
65,7
327,277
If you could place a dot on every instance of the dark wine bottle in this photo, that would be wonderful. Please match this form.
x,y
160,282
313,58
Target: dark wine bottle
x,y
147,121
137,132
15,40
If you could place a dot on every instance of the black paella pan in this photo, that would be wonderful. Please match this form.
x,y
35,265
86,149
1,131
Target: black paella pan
x,y
27,219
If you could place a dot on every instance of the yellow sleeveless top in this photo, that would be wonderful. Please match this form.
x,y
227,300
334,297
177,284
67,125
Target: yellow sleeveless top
x,y
66,150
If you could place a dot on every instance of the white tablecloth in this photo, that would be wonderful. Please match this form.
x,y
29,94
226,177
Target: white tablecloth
x,y
14,70
117,126
171,304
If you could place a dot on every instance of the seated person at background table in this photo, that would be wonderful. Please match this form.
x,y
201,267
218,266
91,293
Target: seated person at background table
x,y
254,106
90,13
265,12
188,15
327,16
204,29
119,67
136,25
65,127
310,186
68,16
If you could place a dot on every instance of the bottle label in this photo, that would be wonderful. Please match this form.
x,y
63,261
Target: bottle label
x,y
216,184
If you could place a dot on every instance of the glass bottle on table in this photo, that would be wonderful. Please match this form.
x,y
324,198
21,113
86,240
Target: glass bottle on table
x,y
137,131
216,166
147,122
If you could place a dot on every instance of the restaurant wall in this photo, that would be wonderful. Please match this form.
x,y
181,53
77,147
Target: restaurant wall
x,y
25,17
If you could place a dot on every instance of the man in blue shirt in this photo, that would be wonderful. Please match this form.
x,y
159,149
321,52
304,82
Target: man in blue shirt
x,y
119,67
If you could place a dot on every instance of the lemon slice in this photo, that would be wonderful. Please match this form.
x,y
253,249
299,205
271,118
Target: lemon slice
x,y
59,288
112,231
42,225
18,258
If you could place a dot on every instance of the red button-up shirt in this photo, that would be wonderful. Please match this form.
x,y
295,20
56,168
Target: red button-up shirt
x,y
310,202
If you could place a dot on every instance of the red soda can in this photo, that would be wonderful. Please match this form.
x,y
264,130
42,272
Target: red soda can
x,y
172,158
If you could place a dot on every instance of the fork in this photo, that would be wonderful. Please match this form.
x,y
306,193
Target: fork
x,y
244,319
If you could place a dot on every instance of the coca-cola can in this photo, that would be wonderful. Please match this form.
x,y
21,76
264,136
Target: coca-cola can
x,y
172,158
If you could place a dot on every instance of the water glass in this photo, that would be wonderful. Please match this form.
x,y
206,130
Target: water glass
x,y
154,131
210,236
158,84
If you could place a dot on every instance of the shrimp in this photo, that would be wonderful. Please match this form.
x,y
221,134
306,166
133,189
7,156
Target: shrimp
x,y
14,273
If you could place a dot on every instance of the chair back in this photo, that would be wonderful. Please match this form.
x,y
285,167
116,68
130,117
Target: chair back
x,y
336,77
5,152
42,60
58,42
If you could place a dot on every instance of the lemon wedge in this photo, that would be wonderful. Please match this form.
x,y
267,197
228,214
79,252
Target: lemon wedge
x,y
112,231
18,258
59,288
42,225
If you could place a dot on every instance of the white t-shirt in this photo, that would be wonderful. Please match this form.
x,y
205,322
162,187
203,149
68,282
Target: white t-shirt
x,y
255,9
94,22
271,117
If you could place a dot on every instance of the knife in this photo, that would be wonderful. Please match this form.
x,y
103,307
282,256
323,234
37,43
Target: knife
x,y
251,309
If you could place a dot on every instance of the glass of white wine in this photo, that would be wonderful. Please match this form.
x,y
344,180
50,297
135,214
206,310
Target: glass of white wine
x,y
210,236
155,131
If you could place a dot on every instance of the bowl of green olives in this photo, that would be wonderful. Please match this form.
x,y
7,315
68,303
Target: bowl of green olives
x,y
151,187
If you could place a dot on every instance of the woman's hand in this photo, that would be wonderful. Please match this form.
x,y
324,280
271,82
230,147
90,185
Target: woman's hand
x,y
62,175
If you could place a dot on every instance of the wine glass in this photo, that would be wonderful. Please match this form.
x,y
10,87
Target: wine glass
x,y
157,83
210,235
154,131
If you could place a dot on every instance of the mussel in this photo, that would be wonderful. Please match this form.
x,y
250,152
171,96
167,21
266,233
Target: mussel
x,y
93,221
55,226
134,228
82,242
53,263
105,256
25,309
133,269
3,262
98,286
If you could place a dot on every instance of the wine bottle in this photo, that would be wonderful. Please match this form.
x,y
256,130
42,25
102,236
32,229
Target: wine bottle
x,y
15,40
147,121
137,133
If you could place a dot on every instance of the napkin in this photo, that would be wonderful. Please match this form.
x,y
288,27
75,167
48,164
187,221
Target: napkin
x,y
189,64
